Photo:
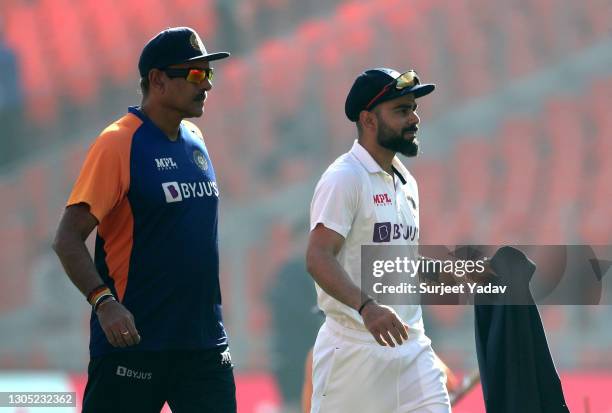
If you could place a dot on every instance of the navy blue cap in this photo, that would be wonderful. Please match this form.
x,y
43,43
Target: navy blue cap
x,y
172,46
370,83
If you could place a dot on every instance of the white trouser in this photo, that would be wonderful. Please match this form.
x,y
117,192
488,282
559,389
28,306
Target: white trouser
x,y
354,374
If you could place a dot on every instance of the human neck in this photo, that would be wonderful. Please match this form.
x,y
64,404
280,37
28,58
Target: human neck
x,y
382,156
166,120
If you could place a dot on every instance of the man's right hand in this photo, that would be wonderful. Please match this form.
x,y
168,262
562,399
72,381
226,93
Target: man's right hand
x,y
118,324
383,323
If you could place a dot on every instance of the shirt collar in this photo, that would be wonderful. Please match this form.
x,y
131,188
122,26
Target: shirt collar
x,y
372,166
135,110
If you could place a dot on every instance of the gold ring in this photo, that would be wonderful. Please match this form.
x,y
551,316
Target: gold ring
x,y
125,333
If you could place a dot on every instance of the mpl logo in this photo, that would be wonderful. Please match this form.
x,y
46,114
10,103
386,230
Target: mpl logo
x,y
382,199
172,192
165,164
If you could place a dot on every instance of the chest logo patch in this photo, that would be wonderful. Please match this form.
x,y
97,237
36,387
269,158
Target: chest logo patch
x,y
387,232
172,192
165,164
382,199
200,160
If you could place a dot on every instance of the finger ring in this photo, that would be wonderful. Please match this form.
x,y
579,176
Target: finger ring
x,y
125,333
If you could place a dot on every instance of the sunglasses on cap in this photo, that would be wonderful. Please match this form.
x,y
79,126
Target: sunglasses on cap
x,y
407,79
192,75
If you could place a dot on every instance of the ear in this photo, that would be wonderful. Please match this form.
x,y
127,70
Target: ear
x,y
368,120
157,80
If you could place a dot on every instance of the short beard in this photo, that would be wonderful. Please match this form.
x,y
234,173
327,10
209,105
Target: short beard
x,y
389,139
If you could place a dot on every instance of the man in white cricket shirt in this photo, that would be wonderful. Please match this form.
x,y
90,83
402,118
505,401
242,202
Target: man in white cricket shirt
x,y
370,357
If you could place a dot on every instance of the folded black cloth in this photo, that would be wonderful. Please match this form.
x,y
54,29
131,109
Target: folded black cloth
x,y
517,371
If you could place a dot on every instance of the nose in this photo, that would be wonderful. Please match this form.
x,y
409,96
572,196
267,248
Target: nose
x,y
206,85
414,118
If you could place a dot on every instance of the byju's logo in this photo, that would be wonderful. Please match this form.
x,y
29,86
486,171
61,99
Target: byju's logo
x,y
172,191
385,232
133,374
176,192
382,232
164,164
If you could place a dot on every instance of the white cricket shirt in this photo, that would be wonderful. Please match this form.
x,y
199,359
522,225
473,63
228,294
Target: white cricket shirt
x,y
357,199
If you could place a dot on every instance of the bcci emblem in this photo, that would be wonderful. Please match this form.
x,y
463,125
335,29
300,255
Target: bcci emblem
x,y
196,43
200,160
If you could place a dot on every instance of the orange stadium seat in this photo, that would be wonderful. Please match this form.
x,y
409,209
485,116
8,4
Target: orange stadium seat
x,y
520,56
231,81
516,173
565,165
200,15
282,70
403,26
333,95
544,16
551,228
23,35
324,84
14,256
294,170
35,198
470,183
431,176
518,151
323,56
75,64
146,18
598,108
594,223
470,49
109,38
226,135
472,172
598,22
354,35
578,34
313,32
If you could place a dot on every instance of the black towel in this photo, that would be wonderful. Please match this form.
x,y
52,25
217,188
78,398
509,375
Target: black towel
x,y
516,368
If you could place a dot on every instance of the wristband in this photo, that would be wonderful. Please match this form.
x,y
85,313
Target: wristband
x,y
97,293
104,298
366,302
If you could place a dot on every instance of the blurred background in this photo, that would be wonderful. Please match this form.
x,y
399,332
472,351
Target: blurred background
x,y
516,144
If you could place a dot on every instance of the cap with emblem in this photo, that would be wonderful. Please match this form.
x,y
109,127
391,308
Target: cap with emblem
x,y
172,46
378,85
